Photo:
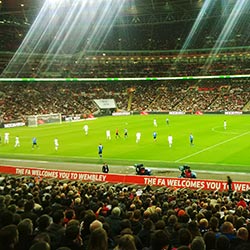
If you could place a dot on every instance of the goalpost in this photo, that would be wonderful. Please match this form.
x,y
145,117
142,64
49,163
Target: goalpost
x,y
35,120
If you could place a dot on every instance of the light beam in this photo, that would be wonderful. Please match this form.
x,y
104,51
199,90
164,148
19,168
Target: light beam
x,y
61,30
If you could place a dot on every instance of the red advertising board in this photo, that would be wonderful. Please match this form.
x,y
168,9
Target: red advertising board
x,y
160,181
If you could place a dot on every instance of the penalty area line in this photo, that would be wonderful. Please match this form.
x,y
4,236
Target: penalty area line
x,y
214,146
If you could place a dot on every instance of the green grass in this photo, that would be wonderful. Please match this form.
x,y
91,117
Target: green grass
x,y
214,148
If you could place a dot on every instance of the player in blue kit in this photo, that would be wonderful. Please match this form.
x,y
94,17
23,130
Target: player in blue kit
x,y
125,133
154,136
100,149
191,139
34,142
167,121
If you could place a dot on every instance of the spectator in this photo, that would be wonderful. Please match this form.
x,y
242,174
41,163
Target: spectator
x,y
241,238
42,223
71,238
198,243
56,229
89,217
242,202
126,242
25,229
203,226
227,229
146,232
136,224
9,237
184,237
28,211
210,240
114,220
159,240
98,239
40,246
222,243
95,225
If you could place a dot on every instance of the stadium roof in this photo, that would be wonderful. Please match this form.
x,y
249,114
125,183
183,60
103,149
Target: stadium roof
x,y
27,10
131,6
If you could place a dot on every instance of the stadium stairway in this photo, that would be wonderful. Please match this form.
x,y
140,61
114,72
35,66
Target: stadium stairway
x,y
246,107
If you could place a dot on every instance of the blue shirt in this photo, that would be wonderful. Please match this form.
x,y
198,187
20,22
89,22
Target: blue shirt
x,y
100,148
191,138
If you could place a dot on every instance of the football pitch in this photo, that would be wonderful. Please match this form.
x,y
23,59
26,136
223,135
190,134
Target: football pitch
x,y
214,148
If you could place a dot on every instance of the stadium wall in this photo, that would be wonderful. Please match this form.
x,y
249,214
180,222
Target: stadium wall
x,y
158,181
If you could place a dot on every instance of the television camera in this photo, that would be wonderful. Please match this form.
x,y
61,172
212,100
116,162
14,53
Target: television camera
x,y
186,172
141,170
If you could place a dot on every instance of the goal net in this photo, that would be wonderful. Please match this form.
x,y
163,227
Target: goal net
x,y
35,120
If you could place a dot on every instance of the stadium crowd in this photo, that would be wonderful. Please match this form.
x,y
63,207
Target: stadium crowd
x,y
48,214
72,99
131,65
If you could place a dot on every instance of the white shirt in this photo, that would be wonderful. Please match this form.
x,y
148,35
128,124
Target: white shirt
x,y
86,127
6,135
56,142
170,139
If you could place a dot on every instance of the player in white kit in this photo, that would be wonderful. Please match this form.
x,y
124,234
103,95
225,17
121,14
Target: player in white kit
x,y
170,140
138,137
56,143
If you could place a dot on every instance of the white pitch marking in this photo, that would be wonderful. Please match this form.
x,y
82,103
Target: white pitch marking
x,y
215,145
223,132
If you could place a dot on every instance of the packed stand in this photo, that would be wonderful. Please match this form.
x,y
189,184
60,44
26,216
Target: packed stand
x,y
70,99
116,65
63,215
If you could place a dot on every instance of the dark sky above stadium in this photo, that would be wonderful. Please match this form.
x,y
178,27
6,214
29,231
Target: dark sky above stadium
x,y
140,5
29,9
